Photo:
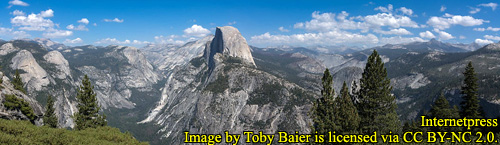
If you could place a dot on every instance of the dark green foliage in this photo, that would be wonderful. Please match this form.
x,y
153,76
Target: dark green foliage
x,y
50,118
88,109
376,106
18,82
267,93
219,85
442,109
346,114
470,104
11,102
197,62
22,132
323,109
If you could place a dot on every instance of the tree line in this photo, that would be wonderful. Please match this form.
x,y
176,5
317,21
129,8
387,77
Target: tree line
x,y
370,106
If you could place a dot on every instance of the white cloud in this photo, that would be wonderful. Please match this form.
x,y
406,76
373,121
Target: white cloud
x,y
483,41
399,39
489,29
115,41
462,37
387,9
47,13
445,22
17,3
196,31
57,33
32,22
95,24
384,19
427,34
282,29
114,20
84,21
492,37
172,39
493,6
321,38
443,8
298,25
8,32
74,41
398,31
474,10
18,13
80,27
406,11
230,23
443,35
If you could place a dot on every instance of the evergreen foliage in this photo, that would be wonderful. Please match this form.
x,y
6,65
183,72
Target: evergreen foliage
x,y
323,111
88,109
346,114
50,118
470,107
442,109
376,106
18,82
11,102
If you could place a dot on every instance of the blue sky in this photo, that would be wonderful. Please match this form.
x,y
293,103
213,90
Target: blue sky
x,y
262,23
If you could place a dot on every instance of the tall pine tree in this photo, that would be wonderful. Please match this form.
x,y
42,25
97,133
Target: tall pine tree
x,y
323,111
50,118
346,114
88,109
376,104
18,82
470,107
442,109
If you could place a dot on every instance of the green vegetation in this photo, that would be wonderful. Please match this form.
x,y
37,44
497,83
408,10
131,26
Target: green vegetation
x,y
470,104
88,109
323,109
197,62
268,93
50,118
346,114
11,102
18,83
22,132
442,109
376,106
219,85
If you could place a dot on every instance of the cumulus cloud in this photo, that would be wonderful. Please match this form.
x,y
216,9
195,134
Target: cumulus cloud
x,y
322,38
444,35
17,3
8,32
47,13
443,8
492,37
172,39
115,41
57,33
427,34
387,9
230,23
114,20
18,13
449,20
33,22
406,11
474,10
196,31
489,29
384,19
399,31
74,41
84,21
282,29
483,41
78,28
493,6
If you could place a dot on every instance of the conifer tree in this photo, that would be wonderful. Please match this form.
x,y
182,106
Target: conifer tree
x,y
470,107
442,109
18,82
88,109
346,114
322,111
376,106
50,118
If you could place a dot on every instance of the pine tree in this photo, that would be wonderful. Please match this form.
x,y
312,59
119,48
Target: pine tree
x,y
470,101
18,82
88,109
322,111
442,109
346,114
50,118
376,106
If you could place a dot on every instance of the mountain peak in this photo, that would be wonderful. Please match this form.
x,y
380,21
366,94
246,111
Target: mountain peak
x,y
228,42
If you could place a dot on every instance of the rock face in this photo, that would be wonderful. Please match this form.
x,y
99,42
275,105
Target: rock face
x,y
7,48
229,42
35,77
62,65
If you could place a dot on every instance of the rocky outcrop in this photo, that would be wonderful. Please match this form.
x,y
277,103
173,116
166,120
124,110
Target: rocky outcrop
x,y
35,77
7,48
228,42
62,65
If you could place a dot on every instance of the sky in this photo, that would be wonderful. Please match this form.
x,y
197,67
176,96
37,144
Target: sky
x,y
262,23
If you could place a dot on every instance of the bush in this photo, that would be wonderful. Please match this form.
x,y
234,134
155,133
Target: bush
x,y
11,102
